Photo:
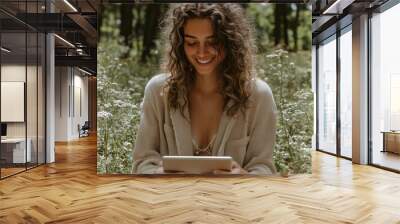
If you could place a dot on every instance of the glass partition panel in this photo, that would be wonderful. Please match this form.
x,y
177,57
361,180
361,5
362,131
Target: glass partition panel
x,y
14,153
22,76
41,98
327,96
31,97
346,93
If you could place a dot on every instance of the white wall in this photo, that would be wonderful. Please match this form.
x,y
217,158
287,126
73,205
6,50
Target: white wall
x,y
70,83
62,81
12,100
12,73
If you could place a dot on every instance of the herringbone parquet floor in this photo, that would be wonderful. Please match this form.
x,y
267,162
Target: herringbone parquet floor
x,y
69,191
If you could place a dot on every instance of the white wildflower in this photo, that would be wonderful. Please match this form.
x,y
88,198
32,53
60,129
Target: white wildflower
x,y
104,114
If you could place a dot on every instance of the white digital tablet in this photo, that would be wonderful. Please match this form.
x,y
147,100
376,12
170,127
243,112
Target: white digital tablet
x,y
196,164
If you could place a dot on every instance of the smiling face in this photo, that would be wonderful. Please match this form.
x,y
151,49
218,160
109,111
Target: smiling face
x,y
200,46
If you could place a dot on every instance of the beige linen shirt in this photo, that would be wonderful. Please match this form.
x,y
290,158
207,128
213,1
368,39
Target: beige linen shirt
x,y
248,137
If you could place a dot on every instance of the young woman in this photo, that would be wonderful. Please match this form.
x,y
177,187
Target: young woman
x,y
209,101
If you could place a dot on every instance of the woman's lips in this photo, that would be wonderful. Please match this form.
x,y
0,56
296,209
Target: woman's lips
x,y
204,61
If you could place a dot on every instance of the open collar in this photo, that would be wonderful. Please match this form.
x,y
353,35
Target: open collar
x,y
183,134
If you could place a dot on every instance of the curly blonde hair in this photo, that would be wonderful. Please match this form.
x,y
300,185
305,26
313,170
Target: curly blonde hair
x,y
233,34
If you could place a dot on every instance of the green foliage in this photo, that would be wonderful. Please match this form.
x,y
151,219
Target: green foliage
x,y
264,22
264,25
289,76
120,88
122,77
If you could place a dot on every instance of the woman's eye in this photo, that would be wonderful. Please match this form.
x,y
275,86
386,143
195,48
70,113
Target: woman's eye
x,y
212,44
191,43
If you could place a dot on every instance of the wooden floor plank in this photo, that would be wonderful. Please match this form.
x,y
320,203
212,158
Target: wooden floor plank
x,y
70,191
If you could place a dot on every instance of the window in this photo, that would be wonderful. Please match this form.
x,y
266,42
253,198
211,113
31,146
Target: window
x,y
327,95
385,88
346,92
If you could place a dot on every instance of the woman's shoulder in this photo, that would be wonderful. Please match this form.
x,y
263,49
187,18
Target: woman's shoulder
x,y
157,82
260,89
261,98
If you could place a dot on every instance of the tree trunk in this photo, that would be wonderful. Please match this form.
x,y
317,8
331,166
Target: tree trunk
x,y
126,27
150,29
100,21
284,16
138,27
277,27
295,29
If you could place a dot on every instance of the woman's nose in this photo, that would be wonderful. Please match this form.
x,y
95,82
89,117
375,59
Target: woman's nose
x,y
202,50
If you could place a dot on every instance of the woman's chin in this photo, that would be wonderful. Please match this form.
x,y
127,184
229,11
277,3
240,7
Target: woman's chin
x,y
205,72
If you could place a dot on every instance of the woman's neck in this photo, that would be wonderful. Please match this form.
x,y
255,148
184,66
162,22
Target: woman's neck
x,y
207,84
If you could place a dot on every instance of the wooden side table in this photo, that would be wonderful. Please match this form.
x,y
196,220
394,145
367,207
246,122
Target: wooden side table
x,y
391,141
14,150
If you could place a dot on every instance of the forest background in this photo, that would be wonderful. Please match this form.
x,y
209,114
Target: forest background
x,y
129,54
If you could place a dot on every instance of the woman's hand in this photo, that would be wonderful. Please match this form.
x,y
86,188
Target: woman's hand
x,y
236,169
161,170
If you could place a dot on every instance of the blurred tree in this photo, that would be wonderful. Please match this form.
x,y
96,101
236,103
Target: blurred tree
x,y
152,13
281,14
278,25
138,25
100,21
286,26
126,27
294,26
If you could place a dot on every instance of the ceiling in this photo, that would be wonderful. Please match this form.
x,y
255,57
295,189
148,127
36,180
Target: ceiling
x,y
74,22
